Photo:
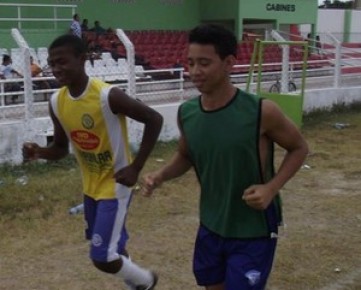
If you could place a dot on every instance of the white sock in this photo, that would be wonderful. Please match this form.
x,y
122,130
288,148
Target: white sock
x,y
133,273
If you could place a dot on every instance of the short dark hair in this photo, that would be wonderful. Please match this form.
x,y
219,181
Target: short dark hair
x,y
6,57
223,40
72,41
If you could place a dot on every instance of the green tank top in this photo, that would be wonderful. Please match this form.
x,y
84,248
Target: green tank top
x,y
224,148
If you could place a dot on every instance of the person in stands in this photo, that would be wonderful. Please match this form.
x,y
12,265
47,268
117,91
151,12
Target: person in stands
x,y
75,27
8,72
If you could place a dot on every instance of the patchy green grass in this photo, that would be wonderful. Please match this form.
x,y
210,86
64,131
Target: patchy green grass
x,y
43,247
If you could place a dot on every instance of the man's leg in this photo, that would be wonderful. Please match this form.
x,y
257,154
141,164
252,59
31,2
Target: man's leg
x,y
209,265
15,88
108,232
8,88
44,85
249,263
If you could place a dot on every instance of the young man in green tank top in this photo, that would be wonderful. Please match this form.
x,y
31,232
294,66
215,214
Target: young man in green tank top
x,y
239,202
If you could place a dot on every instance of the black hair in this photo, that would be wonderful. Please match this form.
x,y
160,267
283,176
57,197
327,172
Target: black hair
x,y
6,57
75,16
72,41
223,40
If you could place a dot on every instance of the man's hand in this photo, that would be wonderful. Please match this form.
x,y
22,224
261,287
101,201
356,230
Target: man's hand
x,y
258,196
127,176
150,182
30,151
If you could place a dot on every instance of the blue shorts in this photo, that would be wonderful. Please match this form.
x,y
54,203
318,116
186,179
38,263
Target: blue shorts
x,y
105,221
238,263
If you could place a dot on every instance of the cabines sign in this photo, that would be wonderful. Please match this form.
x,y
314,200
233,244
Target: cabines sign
x,y
280,7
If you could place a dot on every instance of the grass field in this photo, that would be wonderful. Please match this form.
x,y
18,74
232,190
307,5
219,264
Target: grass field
x,y
42,247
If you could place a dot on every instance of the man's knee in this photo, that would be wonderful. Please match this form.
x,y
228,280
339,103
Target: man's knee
x,y
108,267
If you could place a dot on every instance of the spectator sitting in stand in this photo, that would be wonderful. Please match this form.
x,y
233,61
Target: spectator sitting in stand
x,y
34,68
318,45
177,65
94,52
8,72
98,29
47,72
114,52
110,31
37,71
84,25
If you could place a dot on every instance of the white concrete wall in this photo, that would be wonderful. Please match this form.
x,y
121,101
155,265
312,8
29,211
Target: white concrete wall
x,y
330,20
10,139
333,21
14,134
169,130
326,98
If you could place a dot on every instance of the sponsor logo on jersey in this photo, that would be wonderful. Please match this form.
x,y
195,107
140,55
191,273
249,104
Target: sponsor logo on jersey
x,y
85,139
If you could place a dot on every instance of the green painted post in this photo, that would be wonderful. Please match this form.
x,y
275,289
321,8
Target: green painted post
x,y
290,103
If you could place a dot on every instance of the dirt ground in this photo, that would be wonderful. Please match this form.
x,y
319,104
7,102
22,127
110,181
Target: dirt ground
x,y
319,249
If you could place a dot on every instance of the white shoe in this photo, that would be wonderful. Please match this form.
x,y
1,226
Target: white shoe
x,y
131,286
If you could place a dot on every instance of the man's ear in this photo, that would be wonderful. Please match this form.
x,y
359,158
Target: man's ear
x,y
230,61
83,57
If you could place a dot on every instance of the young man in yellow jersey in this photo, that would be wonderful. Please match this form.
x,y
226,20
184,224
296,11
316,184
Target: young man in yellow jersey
x,y
92,116
227,136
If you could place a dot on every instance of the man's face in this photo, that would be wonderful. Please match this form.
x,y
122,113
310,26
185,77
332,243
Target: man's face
x,y
206,69
65,65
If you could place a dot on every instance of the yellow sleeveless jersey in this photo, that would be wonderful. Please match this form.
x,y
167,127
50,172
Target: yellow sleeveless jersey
x,y
99,137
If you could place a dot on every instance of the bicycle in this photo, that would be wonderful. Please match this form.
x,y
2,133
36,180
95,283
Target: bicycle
x,y
276,87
